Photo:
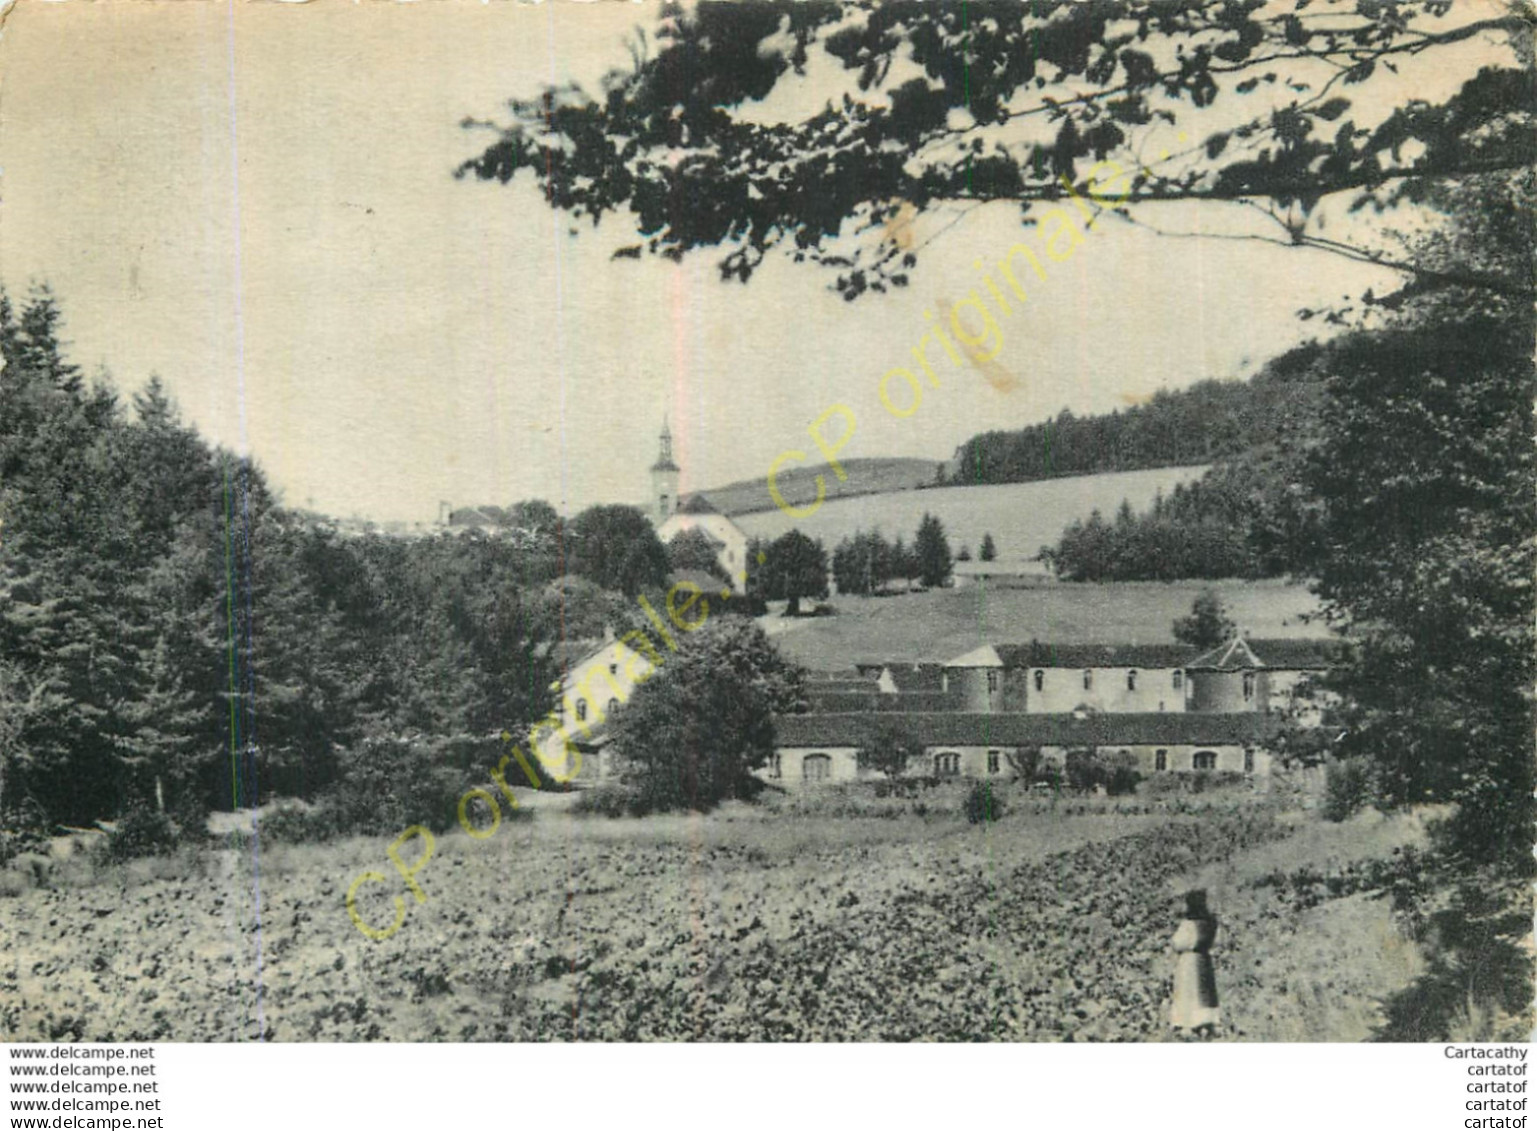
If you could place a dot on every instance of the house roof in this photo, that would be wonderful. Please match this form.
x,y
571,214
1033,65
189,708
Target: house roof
x,y
697,504
842,687
476,516
1038,655
708,583
1286,655
868,700
842,675
1014,729
983,657
1001,567
567,654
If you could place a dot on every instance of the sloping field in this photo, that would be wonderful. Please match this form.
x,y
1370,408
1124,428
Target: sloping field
x,y
945,623
1022,517
1051,925
798,486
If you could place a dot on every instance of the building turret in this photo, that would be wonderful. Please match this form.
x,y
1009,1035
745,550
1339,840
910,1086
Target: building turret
x,y
664,479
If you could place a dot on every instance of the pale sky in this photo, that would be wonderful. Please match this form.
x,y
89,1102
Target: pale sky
x,y
256,202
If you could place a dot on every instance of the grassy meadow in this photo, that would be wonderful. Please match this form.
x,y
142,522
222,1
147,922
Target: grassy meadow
x,y
944,623
831,915
1022,517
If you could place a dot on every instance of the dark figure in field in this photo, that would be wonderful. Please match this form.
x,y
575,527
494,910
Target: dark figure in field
x,y
1195,978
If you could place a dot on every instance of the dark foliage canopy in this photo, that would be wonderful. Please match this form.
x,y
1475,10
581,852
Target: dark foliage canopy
x,y
616,547
947,106
694,732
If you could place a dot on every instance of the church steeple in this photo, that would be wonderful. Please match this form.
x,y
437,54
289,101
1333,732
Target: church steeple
x,y
664,478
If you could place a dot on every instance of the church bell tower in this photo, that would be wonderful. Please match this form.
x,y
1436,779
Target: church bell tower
x,y
664,479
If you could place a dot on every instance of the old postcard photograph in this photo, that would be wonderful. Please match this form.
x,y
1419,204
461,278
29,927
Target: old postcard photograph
x,y
988,521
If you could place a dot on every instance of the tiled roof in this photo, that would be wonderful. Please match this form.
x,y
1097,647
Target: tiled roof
x,y
697,504
842,687
972,729
1286,655
866,701
1038,655
984,657
568,653
707,582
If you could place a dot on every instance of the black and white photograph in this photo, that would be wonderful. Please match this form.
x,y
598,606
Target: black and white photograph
x,y
1001,521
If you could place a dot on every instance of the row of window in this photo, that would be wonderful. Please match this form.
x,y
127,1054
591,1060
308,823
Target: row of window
x,y
581,709
1178,680
818,767
1039,676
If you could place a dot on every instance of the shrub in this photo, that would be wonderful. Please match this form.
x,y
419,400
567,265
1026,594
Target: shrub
x,y
1161,785
611,801
295,822
982,803
142,831
1347,788
1120,774
1080,770
390,783
13,842
694,732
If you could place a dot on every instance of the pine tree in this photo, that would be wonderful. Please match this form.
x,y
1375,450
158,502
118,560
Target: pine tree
x,y
931,552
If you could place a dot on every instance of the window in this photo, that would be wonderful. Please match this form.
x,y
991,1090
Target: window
x,y
992,682
992,761
817,767
947,765
1161,760
1131,680
613,705
581,710
613,669
944,681
665,508
1204,760
1248,686
1040,680
776,767
1179,681
1248,761
1088,680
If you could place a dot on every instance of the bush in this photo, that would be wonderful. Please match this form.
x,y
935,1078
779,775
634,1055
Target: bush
x,y
1120,775
391,783
982,803
611,801
142,831
1347,788
13,842
1081,771
295,822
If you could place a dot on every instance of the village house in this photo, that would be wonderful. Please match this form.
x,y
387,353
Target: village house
x,y
597,678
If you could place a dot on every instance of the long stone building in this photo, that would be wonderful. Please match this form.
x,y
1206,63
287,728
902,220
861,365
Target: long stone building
x,y
1167,707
